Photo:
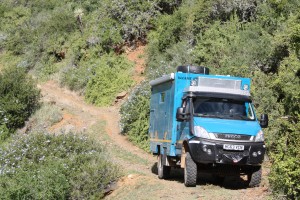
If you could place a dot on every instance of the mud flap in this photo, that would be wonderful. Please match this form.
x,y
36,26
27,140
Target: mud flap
x,y
164,158
183,155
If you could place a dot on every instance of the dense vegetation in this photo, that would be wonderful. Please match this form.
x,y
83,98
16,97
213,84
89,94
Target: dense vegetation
x,y
74,41
47,166
41,165
80,44
18,100
135,116
257,39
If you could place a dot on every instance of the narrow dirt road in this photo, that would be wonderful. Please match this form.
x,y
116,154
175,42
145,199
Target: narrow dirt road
x,y
140,180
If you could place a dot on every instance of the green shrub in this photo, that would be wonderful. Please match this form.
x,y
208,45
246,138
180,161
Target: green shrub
x,y
18,97
168,31
283,136
4,133
76,78
76,71
111,76
134,17
285,154
159,64
45,166
135,116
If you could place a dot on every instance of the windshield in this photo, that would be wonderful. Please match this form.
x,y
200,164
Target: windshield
x,y
223,108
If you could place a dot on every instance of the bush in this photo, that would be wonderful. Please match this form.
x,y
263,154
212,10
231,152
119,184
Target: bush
x,y
18,97
134,17
135,116
4,133
76,78
46,116
285,171
284,133
111,76
44,166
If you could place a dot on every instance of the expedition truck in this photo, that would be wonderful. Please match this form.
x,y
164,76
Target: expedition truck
x,y
205,123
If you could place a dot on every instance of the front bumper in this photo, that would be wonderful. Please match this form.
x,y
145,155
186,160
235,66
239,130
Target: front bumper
x,y
212,151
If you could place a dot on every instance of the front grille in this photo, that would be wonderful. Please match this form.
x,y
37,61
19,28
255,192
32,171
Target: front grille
x,y
230,136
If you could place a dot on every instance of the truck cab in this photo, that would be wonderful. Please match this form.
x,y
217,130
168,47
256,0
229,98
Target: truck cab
x,y
203,122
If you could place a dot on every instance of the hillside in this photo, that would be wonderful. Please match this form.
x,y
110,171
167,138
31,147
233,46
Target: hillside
x,y
103,53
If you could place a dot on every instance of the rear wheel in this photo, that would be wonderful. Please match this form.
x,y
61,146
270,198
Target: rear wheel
x,y
254,178
163,171
190,171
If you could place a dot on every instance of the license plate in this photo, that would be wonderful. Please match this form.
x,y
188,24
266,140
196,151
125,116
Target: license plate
x,y
233,147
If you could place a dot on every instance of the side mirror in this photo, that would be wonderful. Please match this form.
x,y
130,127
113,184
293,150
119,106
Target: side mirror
x,y
180,114
264,121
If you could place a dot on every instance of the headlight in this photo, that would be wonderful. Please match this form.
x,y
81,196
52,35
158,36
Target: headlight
x,y
259,136
201,132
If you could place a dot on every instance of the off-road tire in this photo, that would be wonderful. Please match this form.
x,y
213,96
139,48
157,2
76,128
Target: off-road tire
x,y
190,171
254,178
193,69
163,171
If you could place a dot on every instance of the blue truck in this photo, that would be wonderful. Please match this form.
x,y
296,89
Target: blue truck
x,y
205,123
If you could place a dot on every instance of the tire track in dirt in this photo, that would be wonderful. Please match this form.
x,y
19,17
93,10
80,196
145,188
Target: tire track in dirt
x,y
89,114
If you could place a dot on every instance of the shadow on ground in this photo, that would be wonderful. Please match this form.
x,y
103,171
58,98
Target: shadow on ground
x,y
230,182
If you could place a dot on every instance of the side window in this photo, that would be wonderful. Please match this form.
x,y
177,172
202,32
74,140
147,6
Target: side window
x,y
249,109
162,97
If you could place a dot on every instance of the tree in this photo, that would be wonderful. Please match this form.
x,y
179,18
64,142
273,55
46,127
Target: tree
x,y
19,97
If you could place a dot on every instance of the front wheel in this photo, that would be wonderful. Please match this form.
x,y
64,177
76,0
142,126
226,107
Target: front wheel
x,y
163,171
190,171
254,178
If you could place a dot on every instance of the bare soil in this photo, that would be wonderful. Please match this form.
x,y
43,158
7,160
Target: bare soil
x,y
139,168
137,57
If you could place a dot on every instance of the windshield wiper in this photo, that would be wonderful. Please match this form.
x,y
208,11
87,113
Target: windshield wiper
x,y
241,117
237,117
208,115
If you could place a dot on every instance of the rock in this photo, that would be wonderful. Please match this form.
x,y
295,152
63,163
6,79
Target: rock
x,y
131,176
121,95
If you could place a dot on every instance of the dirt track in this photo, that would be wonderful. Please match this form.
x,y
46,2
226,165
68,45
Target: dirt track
x,y
140,180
